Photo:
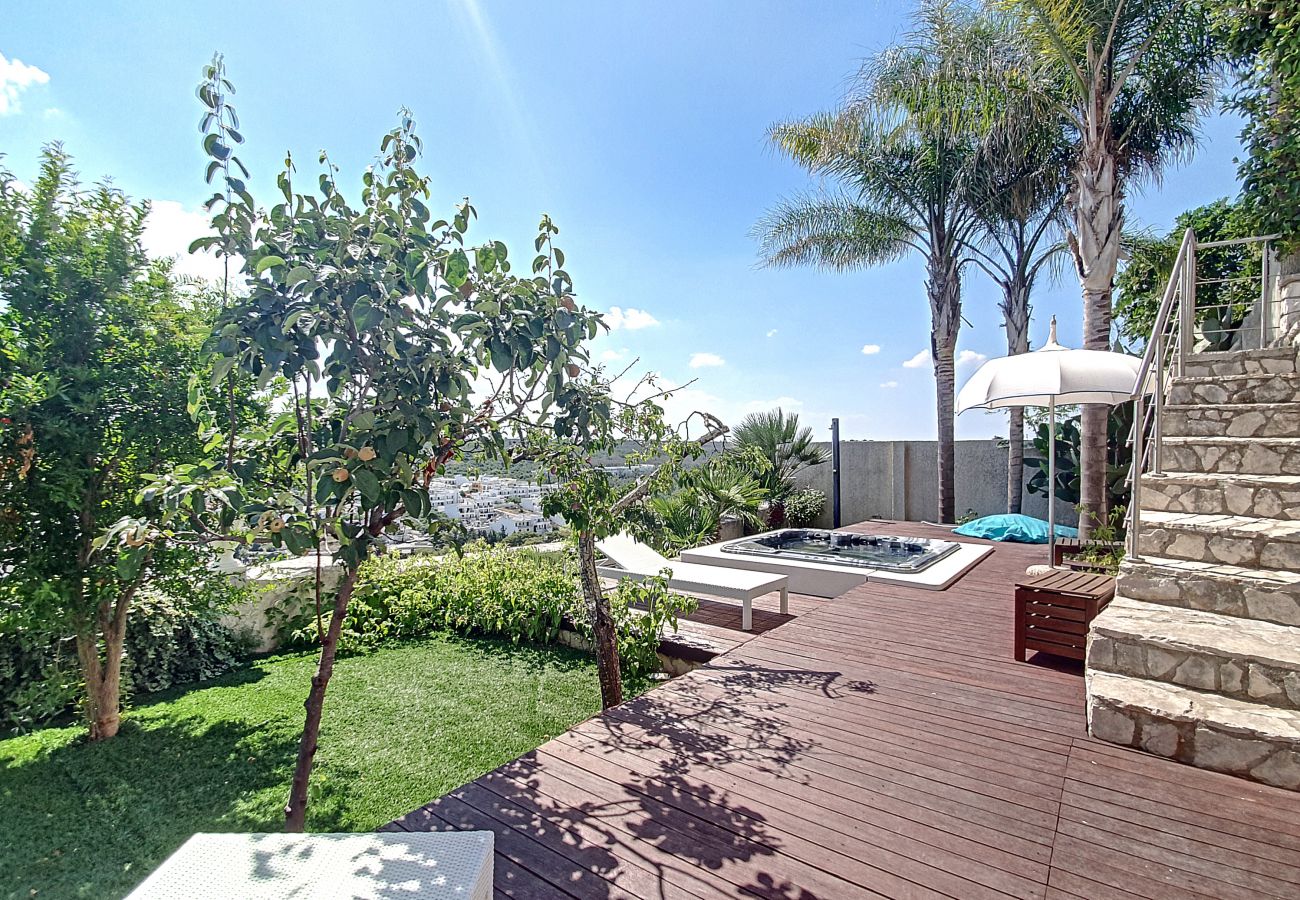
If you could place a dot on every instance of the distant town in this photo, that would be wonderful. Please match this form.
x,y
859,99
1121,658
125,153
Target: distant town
x,y
498,505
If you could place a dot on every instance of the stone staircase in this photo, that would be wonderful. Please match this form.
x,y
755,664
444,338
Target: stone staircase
x,y
1198,656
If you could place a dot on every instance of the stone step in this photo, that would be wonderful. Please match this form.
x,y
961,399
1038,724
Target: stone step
x,y
1232,455
1235,389
1245,541
1252,661
1206,730
1232,420
1268,595
1269,361
1267,496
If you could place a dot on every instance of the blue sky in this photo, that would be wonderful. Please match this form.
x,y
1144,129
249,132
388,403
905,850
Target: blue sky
x,y
638,127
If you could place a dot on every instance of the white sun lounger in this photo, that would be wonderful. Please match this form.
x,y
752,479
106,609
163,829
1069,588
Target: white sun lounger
x,y
635,562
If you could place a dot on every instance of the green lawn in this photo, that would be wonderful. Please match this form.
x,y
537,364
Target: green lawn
x,y
402,726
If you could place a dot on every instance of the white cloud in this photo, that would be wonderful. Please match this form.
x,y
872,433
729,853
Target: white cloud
x,y
613,355
15,77
706,361
921,359
890,385
168,232
772,333
970,358
870,349
631,318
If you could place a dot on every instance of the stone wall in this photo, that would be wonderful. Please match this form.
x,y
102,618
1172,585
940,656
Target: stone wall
x,y
898,480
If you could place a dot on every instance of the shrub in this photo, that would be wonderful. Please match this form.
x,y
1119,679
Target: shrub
x,y
165,646
39,678
639,634
520,595
517,594
803,507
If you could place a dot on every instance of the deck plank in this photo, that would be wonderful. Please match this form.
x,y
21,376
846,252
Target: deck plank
x,y
879,744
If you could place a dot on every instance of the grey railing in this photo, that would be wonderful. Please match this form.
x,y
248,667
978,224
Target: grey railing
x,y
1174,338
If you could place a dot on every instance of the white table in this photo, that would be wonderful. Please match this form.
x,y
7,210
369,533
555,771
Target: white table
x,y
442,865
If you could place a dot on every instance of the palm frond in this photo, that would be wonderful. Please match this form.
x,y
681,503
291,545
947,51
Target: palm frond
x,y
832,232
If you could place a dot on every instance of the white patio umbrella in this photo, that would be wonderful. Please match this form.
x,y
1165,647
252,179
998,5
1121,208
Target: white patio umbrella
x,y
1048,376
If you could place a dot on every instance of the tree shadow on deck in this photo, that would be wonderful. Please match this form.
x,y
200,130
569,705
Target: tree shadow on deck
x,y
677,787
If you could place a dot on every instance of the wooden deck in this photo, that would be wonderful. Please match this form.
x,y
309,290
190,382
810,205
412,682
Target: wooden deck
x,y
882,744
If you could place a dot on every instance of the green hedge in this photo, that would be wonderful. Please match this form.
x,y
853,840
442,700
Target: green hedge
x,y
165,646
516,594
521,595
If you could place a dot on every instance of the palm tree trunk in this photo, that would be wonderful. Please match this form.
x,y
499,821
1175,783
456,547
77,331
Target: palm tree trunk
x,y
1015,316
944,289
1097,205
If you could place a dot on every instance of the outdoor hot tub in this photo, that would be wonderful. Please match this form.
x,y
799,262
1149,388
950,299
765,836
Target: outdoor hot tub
x,y
868,551
828,563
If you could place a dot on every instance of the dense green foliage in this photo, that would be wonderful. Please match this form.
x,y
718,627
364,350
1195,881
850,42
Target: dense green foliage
x,y
408,723
167,644
802,507
517,595
1221,305
1262,38
1119,456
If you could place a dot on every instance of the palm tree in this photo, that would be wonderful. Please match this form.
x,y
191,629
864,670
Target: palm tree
x,y
1130,78
1024,164
787,447
899,153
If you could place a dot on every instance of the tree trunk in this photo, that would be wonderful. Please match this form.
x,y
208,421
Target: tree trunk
x,y
943,285
295,811
1096,202
103,676
602,620
1015,316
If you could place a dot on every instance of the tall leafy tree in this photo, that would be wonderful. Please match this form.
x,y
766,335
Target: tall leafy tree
x,y
1262,42
899,156
1130,78
401,345
96,344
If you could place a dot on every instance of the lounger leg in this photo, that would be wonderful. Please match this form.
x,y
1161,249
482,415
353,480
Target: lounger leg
x,y
747,615
785,600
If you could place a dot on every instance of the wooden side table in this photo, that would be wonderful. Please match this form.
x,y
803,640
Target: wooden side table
x,y
1053,612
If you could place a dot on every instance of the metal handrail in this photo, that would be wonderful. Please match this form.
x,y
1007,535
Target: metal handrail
x,y
1165,355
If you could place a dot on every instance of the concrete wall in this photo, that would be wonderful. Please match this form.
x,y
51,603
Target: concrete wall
x,y
899,480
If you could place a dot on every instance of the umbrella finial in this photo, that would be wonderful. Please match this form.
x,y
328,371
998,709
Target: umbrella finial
x,y
1051,336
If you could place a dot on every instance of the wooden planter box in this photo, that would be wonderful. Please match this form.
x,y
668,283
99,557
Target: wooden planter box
x,y
1053,612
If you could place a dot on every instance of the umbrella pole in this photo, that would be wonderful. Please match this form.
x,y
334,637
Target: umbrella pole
x,y
1051,481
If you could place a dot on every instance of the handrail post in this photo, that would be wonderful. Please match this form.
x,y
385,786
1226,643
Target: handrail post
x,y
1187,302
1158,402
1135,475
1265,294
